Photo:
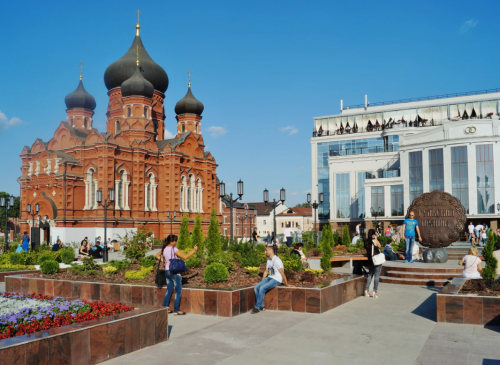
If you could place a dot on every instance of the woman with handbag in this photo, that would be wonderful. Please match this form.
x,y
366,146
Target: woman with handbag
x,y
375,261
173,266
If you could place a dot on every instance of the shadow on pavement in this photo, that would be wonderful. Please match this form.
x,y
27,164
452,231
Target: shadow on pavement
x,y
427,309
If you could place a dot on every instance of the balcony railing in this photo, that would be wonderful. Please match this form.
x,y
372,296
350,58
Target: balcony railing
x,y
364,150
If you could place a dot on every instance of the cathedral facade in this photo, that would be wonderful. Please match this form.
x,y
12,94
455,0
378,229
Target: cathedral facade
x,y
151,175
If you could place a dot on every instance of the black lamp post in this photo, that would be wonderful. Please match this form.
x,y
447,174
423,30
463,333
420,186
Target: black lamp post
x,y
242,225
315,207
222,194
37,209
375,214
171,219
105,206
498,207
274,205
7,204
251,217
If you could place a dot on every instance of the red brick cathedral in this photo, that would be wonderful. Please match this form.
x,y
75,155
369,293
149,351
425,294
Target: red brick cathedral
x,y
151,175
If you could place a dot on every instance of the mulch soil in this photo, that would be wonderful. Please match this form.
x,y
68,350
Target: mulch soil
x,y
238,277
477,286
338,250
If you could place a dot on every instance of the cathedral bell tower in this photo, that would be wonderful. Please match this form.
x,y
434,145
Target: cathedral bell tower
x,y
80,107
188,111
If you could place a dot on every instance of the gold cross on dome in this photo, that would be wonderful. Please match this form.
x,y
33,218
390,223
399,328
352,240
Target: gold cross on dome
x,y
189,74
137,52
81,69
138,13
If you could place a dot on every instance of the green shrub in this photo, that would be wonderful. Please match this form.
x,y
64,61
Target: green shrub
x,y
89,264
215,273
138,274
283,249
346,238
252,271
308,240
337,240
316,272
193,262
16,258
67,256
7,267
384,240
13,247
224,258
49,267
213,242
251,258
198,239
148,261
260,248
291,262
360,244
489,272
109,270
224,240
137,244
241,247
184,240
326,248
353,249
44,257
120,264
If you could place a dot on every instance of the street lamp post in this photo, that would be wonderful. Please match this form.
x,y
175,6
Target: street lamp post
x,y
242,225
37,209
375,214
105,206
274,205
251,217
315,207
171,219
7,204
222,194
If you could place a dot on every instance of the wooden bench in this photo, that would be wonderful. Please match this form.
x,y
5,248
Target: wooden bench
x,y
346,261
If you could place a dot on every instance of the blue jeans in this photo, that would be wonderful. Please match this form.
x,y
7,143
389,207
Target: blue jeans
x,y
173,280
261,288
409,242
470,237
476,232
289,241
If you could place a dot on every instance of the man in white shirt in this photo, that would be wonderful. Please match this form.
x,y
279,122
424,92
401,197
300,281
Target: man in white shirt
x,y
355,239
288,235
471,231
273,276
299,234
477,231
358,229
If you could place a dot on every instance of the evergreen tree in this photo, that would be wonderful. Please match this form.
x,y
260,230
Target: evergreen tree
x,y
346,238
336,238
198,239
326,247
489,272
184,236
213,239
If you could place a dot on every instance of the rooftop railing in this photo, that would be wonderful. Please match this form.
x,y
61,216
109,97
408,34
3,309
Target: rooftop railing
x,y
365,150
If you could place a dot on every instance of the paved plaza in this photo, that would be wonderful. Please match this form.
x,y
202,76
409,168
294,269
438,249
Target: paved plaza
x,y
398,328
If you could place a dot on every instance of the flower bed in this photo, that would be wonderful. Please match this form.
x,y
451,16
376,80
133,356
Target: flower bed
x,y
36,312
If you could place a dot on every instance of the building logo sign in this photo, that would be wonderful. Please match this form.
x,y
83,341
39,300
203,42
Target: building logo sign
x,y
441,217
470,130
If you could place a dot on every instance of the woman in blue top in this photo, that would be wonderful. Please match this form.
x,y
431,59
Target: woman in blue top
x,y
410,225
26,241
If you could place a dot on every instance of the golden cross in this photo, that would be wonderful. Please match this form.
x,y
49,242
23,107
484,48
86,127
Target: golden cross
x,y
81,69
137,51
189,74
138,13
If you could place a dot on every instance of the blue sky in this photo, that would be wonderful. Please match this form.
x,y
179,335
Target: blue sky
x,y
263,69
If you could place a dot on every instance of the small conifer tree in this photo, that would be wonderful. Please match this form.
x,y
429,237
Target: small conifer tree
x,y
326,247
213,239
489,272
184,240
198,239
346,238
336,238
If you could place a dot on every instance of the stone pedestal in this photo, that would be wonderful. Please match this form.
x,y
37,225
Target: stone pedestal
x,y
436,255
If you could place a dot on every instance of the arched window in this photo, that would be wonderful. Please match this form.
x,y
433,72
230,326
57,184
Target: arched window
x,y
117,127
196,128
150,193
190,193
121,187
183,128
86,124
90,190
199,198
129,112
145,112
71,123
182,198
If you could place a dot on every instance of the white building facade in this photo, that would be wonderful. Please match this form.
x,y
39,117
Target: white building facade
x,y
372,161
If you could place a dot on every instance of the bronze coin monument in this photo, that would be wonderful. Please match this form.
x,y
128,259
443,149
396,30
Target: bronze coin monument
x,y
441,218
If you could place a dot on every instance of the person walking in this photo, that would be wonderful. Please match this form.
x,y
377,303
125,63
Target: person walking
x,y
288,235
410,226
299,232
372,246
25,241
169,252
477,231
268,239
471,232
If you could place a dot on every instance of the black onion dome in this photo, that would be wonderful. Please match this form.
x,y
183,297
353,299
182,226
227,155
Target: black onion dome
x,y
137,85
189,104
80,99
124,68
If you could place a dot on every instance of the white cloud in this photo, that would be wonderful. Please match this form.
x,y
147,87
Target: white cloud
x,y
229,184
307,191
168,134
293,193
468,25
217,131
6,122
290,128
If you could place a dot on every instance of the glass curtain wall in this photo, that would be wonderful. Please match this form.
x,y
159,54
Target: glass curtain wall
x,y
397,203
416,179
436,173
323,181
378,200
459,175
342,195
485,179
361,194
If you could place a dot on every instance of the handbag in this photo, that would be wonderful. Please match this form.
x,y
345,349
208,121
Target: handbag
x,y
177,265
377,259
160,278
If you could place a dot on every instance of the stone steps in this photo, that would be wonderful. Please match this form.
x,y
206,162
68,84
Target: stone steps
x,y
420,282
411,274
421,275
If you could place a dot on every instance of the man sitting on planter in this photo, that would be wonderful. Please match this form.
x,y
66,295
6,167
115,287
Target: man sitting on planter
x,y
273,276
